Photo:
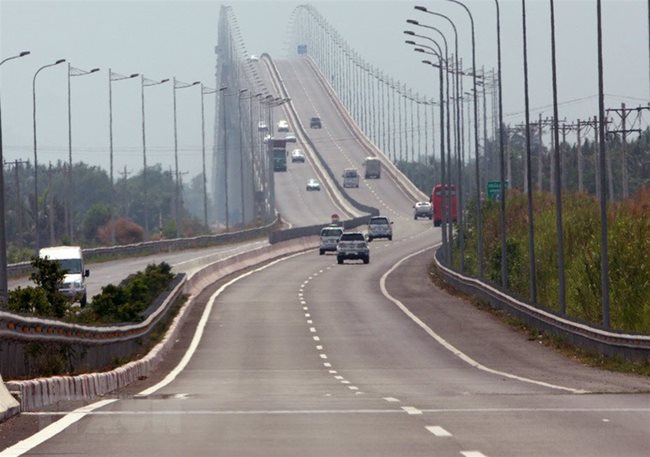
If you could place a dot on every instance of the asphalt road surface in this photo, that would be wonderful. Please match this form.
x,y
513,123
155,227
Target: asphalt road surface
x,y
304,357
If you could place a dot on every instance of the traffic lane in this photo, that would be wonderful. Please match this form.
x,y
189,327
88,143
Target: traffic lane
x,y
377,347
318,97
486,339
295,203
257,375
187,261
336,142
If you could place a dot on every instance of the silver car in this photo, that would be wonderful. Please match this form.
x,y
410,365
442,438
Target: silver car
x,y
380,227
329,237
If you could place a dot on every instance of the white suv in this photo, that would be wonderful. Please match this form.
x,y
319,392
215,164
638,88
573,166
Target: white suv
x,y
352,245
329,237
380,227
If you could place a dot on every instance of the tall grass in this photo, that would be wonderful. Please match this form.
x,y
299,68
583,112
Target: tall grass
x,y
629,255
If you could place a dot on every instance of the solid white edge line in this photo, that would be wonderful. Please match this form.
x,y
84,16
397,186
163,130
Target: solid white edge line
x,y
53,429
196,339
444,343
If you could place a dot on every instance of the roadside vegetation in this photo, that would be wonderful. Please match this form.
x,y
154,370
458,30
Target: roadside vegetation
x,y
125,302
629,255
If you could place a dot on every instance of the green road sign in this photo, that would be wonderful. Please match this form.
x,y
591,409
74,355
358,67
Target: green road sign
x,y
494,190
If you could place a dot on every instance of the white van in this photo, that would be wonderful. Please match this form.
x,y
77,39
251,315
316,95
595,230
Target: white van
x,y
70,258
350,177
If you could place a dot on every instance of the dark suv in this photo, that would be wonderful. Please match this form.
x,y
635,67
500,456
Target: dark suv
x,y
314,123
352,245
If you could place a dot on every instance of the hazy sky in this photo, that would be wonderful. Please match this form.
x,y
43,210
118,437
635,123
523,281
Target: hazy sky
x,y
177,38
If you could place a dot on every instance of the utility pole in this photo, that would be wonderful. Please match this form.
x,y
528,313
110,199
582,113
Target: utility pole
x,y
50,198
20,219
623,113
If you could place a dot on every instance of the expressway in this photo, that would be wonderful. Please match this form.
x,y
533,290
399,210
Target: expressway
x,y
303,357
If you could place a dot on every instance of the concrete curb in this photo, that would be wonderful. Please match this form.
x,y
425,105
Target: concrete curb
x,y
8,404
40,392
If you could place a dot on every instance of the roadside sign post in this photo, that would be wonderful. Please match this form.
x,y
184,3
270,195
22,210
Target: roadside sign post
x,y
494,190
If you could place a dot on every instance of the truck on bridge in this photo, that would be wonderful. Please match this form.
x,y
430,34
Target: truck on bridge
x,y
373,168
278,151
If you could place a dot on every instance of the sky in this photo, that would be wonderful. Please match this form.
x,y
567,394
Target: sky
x,y
177,38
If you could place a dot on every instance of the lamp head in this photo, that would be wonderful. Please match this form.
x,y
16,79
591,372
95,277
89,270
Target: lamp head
x,y
412,21
94,70
410,42
418,50
59,61
164,80
134,75
24,53
421,8
409,32
428,62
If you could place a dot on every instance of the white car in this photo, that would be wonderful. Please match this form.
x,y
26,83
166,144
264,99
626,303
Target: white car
x,y
283,126
290,137
267,138
253,58
262,127
313,184
297,156
423,209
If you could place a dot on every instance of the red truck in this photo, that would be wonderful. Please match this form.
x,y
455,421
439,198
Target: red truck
x,y
446,193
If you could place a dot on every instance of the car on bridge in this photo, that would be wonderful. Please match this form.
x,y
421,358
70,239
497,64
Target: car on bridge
x,y
352,246
262,127
297,156
315,123
283,126
423,209
329,238
290,137
380,227
350,177
313,184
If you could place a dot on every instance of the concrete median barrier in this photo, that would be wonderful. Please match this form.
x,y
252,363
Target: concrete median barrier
x,y
37,393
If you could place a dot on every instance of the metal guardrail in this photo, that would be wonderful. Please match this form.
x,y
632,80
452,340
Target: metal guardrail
x,y
155,247
593,339
88,347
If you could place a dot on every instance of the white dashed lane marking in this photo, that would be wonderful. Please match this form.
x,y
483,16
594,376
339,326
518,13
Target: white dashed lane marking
x,y
391,399
472,454
438,431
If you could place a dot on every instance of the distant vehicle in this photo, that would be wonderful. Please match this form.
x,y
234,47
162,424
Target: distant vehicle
x,y
313,184
70,259
423,209
283,126
315,123
373,168
278,151
380,227
290,137
253,58
329,237
443,195
350,177
297,156
352,245
267,138
262,127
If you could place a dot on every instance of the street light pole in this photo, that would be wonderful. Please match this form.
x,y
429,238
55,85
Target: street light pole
x,y
241,160
36,219
4,290
72,71
113,77
204,91
144,82
177,222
